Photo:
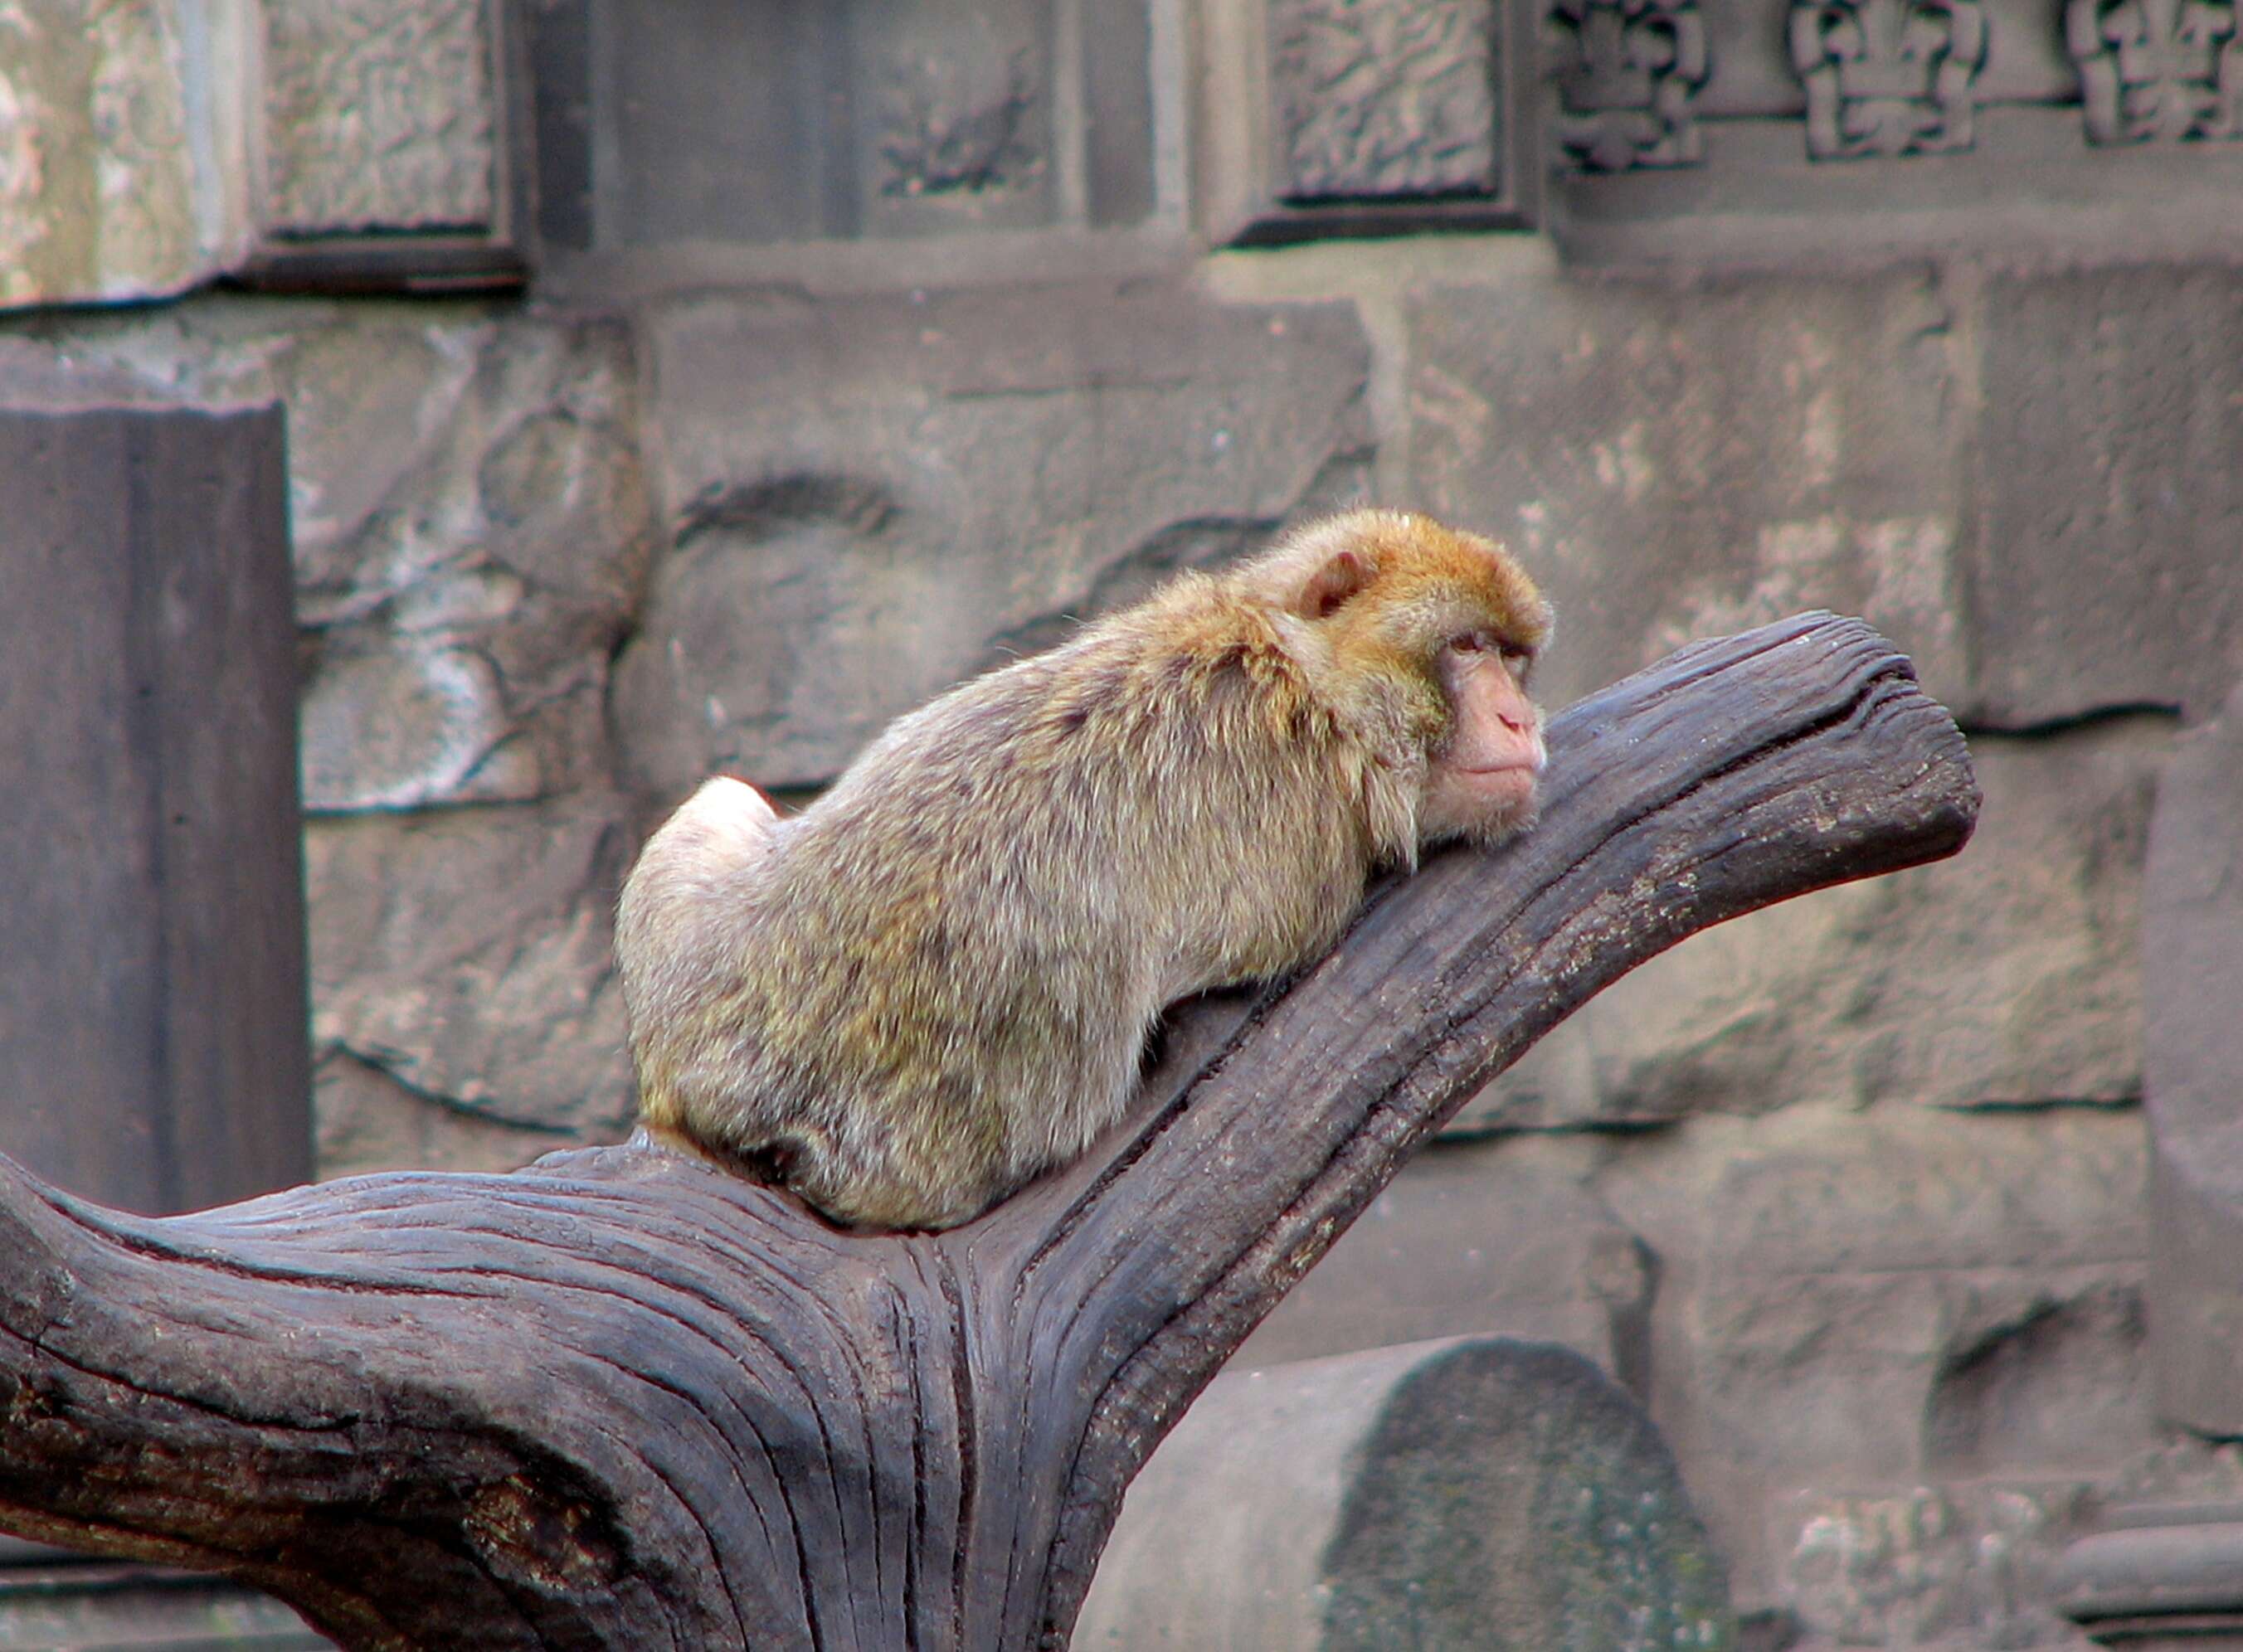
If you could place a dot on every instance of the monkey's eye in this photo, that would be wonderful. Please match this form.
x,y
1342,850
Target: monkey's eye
x,y
1467,643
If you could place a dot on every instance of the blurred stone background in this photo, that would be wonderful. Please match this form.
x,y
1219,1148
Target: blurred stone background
x,y
695,389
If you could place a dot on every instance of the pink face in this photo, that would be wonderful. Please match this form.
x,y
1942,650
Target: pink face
x,y
1483,780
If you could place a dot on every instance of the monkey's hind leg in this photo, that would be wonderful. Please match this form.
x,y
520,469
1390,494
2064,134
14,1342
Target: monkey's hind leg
x,y
679,906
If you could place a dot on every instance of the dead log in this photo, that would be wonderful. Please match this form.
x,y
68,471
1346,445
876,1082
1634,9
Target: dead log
x,y
621,1400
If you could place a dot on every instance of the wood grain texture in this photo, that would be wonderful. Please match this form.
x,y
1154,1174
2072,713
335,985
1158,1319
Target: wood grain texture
x,y
623,1399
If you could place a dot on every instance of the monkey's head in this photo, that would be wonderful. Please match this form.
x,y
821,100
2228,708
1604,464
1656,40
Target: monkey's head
x,y
1430,635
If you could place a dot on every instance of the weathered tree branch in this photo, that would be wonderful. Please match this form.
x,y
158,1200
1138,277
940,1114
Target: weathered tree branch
x,y
623,1399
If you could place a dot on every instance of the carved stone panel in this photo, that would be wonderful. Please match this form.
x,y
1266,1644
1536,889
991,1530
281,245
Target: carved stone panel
x,y
2058,126
2158,70
388,144
379,117
1887,77
1339,117
733,126
1627,74
956,115
1385,99
147,145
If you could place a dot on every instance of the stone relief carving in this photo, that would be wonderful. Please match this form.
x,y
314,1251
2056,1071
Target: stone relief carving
x,y
1385,97
377,130
378,116
2158,70
956,128
1887,77
1627,74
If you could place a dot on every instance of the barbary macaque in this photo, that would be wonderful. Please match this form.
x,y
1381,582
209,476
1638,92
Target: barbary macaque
x,y
938,980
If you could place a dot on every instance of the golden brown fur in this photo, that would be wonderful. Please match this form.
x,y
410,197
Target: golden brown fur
x,y
936,981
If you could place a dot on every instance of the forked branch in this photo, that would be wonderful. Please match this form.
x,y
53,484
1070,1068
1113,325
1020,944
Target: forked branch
x,y
621,1399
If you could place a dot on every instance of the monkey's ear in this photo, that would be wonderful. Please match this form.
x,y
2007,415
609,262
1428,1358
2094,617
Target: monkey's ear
x,y
1332,585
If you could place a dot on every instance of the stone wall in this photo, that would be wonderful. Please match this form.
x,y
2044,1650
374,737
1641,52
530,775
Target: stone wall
x,y
1851,1194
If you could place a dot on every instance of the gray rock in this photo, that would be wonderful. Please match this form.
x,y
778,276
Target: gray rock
x,y
60,1598
2025,482
870,500
704,125
1900,1296
1339,117
2192,975
1856,1300
466,954
2007,977
2102,566
470,523
1680,462
1483,1238
366,1120
37,379
395,727
99,193
1473,1492
380,116
1362,113
1967,1571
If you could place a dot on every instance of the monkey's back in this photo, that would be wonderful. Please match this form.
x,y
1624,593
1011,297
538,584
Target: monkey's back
x,y
940,976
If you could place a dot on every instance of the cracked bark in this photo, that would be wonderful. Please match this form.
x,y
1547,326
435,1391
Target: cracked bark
x,y
623,1399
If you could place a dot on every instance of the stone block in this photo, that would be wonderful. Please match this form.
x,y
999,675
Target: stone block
x,y
2193,976
1893,1294
380,116
1679,462
711,123
101,194
1856,1300
955,120
149,146
1497,1240
2103,564
471,530
367,1120
870,500
1316,117
1471,1491
2158,1577
151,919
2010,976
466,956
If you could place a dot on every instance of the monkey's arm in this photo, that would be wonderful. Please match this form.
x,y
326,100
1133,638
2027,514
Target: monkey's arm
x,y
626,1399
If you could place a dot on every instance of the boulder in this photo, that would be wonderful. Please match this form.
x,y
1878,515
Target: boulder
x,y
1471,1491
466,956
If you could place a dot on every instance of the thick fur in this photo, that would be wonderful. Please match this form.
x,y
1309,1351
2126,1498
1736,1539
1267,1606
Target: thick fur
x,y
938,980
